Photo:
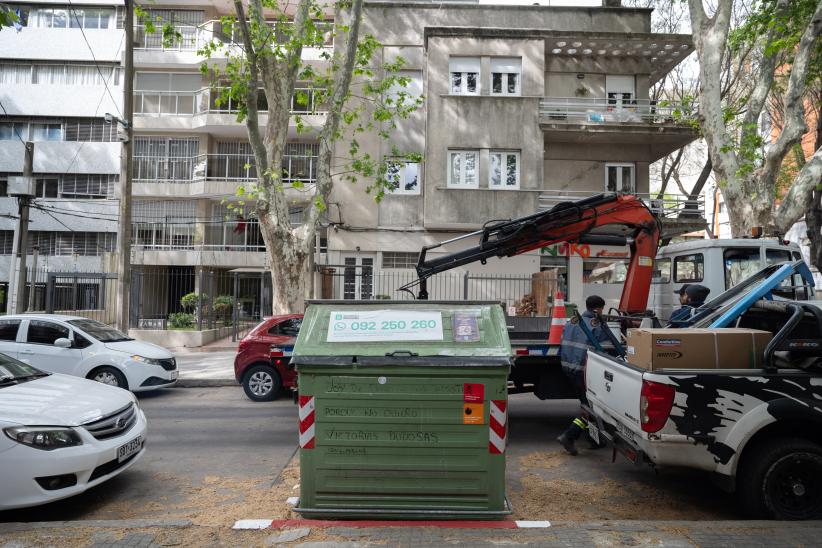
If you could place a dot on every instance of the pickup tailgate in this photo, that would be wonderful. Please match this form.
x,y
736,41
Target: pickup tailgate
x,y
613,389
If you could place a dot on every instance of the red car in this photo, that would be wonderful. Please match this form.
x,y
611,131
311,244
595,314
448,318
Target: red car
x,y
261,364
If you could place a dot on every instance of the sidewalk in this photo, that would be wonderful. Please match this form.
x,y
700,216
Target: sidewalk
x,y
128,533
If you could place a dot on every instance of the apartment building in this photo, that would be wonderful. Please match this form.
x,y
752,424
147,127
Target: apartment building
x,y
524,107
60,73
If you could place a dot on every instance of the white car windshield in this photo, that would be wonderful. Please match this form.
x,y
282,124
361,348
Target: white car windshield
x,y
13,371
99,331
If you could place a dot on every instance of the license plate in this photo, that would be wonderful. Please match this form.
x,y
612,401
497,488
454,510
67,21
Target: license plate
x,y
129,449
174,375
593,432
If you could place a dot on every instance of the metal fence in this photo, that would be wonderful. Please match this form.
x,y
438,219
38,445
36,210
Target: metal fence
x,y
88,294
179,298
356,282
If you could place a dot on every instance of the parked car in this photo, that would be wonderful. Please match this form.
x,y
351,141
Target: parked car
x,y
261,364
86,348
61,435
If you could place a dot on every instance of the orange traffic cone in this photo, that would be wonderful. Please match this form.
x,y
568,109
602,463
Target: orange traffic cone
x,y
558,319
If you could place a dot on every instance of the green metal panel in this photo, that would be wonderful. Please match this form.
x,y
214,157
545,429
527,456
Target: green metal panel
x,y
391,435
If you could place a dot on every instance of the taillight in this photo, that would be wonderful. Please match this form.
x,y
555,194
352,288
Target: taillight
x,y
655,402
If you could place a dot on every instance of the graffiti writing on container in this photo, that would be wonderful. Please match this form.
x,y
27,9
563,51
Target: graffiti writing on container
x,y
347,451
363,435
338,386
402,412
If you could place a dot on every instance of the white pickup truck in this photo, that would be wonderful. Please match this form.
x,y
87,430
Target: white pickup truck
x,y
757,431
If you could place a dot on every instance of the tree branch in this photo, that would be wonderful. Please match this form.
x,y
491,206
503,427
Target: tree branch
x,y
794,112
345,63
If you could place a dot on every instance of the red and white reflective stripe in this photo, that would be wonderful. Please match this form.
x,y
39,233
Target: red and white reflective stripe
x,y
559,302
498,427
559,321
307,422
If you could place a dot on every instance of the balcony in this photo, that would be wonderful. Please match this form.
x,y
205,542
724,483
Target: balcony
x,y
204,109
664,126
150,50
213,175
677,214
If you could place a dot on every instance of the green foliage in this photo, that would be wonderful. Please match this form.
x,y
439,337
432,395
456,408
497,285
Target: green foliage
x,y
223,305
193,301
378,96
181,320
7,16
171,35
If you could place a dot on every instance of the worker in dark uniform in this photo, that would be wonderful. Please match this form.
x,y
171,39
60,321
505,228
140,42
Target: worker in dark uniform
x,y
573,354
691,297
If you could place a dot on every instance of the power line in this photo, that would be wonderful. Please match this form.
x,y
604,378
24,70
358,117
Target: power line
x,y
100,102
96,64
13,126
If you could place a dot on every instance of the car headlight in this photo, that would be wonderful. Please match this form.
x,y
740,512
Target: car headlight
x,y
46,438
147,361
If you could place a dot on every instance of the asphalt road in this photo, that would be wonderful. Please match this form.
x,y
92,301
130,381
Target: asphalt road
x,y
207,366
211,450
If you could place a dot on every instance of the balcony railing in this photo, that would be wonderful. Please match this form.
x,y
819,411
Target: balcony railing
x,y
208,101
218,167
193,37
668,207
586,110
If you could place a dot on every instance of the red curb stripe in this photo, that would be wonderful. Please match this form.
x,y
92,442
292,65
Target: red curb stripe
x,y
457,524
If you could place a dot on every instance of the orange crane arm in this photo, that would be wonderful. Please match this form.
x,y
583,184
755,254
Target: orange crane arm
x,y
605,219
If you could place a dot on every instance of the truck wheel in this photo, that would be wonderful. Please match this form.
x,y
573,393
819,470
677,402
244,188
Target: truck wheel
x,y
262,383
782,479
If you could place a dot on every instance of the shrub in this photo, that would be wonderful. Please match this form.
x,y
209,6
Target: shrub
x,y
223,304
181,320
192,301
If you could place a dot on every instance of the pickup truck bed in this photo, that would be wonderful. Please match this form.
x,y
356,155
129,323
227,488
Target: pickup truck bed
x,y
759,432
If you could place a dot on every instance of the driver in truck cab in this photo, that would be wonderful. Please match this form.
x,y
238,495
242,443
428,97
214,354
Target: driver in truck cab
x,y
573,353
691,297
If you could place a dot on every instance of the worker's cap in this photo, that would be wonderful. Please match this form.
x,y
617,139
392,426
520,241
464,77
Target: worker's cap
x,y
697,293
682,290
594,301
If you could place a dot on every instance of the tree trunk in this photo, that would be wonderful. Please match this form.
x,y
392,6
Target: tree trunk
x,y
813,223
292,268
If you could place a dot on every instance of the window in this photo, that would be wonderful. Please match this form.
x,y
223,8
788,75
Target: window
x,y
620,91
8,330
80,341
774,256
60,18
46,188
287,328
11,131
689,268
505,75
662,271
86,187
41,332
47,132
620,178
604,271
504,170
722,207
6,241
462,168
4,188
399,259
740,263
464,75
402,177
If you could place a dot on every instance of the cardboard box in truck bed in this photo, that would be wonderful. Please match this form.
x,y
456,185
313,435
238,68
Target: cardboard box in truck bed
x,y
720,348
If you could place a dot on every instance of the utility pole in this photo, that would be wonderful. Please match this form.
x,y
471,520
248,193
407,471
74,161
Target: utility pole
x,y
24,199
124,236
32,288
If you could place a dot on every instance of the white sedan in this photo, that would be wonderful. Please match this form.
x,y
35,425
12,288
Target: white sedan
x,y
61,435
86,348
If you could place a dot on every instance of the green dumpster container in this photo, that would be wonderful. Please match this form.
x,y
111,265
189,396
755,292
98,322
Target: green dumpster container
x,y
403,410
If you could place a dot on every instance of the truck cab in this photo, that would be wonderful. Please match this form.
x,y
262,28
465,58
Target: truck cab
x,y
718,265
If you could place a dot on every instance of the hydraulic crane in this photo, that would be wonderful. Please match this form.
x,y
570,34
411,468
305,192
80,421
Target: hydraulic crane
x,y
604,219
